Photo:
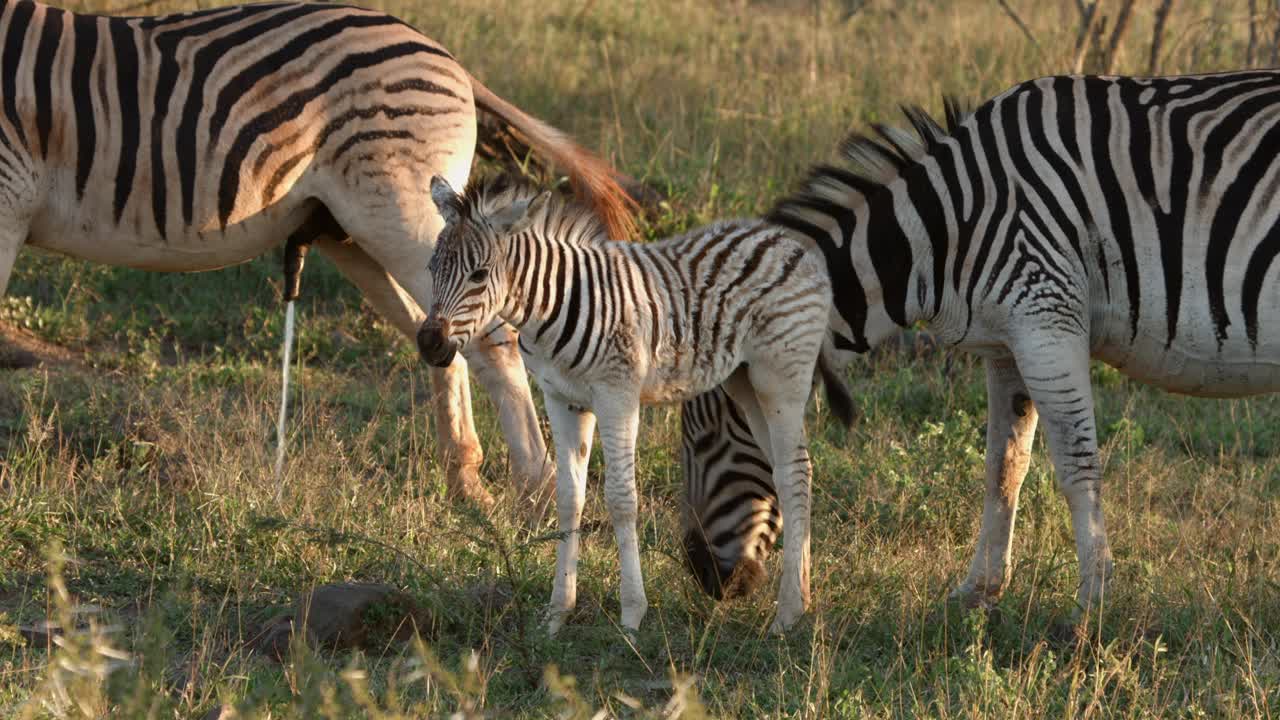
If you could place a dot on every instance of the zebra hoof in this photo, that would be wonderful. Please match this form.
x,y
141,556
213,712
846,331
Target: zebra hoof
x,y
555,621
970,595
784,622
464,483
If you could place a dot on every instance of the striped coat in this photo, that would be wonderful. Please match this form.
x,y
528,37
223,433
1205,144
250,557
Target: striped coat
x,y
194,141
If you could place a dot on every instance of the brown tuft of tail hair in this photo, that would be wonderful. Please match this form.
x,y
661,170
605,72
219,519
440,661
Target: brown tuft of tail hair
x,y
838,395
593,179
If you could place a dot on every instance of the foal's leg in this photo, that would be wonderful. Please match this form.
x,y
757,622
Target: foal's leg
x,y
619,425
782,397
452,398
571,432
739,387
1011,426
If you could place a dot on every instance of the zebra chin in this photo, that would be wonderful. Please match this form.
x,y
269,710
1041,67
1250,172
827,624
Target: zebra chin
x,y
721,579
434,347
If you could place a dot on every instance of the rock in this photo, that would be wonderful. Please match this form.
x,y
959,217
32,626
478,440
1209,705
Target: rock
x,y
345,615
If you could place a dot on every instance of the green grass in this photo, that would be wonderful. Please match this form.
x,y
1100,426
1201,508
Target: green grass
x,y
138,503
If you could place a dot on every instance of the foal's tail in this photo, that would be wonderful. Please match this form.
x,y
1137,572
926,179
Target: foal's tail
x,y
838,394
593,179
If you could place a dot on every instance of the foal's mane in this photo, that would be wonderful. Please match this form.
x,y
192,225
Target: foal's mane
x,y
572,220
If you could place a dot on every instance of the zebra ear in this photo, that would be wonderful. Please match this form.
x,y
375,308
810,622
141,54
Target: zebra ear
x,y
446,200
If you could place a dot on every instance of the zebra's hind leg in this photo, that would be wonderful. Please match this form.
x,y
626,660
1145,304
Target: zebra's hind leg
x,y
1056,373
571,431
12,236
494,356
450,390
619,426
780,398
1011,426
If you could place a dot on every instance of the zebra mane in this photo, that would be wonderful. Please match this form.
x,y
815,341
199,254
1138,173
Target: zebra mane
x,y
871,163
579,222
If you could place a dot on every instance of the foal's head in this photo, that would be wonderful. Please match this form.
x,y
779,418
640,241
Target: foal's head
x,y
469,275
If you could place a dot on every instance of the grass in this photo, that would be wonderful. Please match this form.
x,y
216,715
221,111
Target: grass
x,y
139,509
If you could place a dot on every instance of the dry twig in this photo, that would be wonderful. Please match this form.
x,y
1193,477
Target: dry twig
x,y
1157,35
1013,15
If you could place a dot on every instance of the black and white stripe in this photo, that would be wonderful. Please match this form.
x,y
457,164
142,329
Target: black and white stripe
x,y
730,515
608,326
194,141
1135,220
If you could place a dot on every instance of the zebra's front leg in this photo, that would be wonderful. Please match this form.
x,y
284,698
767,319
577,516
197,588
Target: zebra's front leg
x,y
1056,374
1011,427
619,426
571,431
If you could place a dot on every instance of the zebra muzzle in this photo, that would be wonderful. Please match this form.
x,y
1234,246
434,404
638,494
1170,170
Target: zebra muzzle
x,y
434,344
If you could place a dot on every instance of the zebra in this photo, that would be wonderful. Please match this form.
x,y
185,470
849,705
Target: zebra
x,y
1133,220
608,326
730,517
194,141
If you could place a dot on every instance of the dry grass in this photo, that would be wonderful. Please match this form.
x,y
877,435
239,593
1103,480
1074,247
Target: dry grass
x,y
148,467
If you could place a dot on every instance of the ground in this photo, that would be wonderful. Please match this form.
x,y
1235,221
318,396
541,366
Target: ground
x,y
139,508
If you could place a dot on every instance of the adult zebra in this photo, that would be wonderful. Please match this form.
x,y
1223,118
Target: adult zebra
x,y
1135,220
194,141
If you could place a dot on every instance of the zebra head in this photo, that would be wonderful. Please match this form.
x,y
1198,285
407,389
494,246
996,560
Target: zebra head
x,y
470,274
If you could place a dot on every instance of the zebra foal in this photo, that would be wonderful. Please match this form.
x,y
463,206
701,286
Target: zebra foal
x,y
607,326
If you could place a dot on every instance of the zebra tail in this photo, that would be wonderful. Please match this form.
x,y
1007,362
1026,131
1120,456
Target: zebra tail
x,y
594,179
838,395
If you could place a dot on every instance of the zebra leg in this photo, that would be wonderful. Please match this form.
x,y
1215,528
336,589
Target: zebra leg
x,y
571,432
452,396
495,357
619,426
12,235
742,392
783,411
1056,374
1011,427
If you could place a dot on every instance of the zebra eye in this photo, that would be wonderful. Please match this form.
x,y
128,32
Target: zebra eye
x,y
479,275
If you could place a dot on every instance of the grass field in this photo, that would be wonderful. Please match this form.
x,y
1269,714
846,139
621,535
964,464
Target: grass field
x,y
138,504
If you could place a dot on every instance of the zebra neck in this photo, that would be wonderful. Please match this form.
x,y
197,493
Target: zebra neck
x,y
877,257
551,281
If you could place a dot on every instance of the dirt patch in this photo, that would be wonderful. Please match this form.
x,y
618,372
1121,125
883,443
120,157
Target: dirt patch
x,y
21,348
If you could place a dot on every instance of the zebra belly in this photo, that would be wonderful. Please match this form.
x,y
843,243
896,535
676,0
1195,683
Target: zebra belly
x,y
552,380
136,242
1192,368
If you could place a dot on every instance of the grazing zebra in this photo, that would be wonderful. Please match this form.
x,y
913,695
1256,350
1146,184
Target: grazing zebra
x,y
607,326
730,516
1135,220
195,141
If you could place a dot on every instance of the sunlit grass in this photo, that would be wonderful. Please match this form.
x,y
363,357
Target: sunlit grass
x,y
139,479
